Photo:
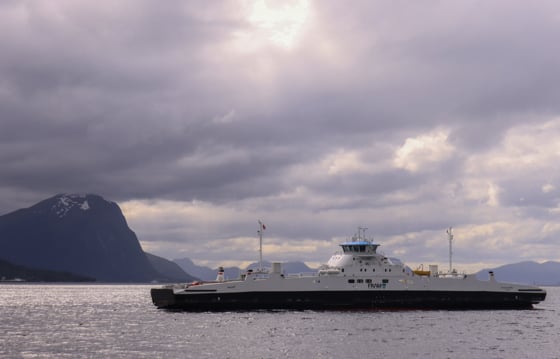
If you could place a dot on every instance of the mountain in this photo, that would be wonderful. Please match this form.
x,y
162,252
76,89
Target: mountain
x,y
169,270
82,234
547,273
206,273
11,272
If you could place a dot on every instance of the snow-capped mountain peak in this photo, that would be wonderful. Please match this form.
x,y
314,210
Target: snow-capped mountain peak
x,y
66,202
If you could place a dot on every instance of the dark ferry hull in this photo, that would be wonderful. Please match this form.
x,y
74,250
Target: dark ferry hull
x,y
343,300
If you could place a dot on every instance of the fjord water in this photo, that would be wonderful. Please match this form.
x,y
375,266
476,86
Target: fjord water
x,y
119,321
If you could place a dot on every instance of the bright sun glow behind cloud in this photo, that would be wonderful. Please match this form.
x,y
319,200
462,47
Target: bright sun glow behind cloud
x,y
279,23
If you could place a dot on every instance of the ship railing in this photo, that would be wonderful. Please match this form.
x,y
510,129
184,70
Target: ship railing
x,y
302,274
452,275
258,275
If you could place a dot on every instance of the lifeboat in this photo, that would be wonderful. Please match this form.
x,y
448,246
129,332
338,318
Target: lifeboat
x,y
421,271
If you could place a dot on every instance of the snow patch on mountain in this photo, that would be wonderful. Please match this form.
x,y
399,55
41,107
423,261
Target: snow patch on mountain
x,y
66,202
84,206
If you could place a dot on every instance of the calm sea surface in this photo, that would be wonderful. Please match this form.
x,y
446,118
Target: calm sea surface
x,y
119,321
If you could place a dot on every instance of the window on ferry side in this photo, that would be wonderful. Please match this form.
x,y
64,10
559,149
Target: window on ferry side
x,y
350,280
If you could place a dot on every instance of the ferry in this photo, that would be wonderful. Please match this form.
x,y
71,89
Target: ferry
x,y
358,277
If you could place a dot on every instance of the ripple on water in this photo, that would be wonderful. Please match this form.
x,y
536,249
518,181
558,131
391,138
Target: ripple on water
x,y
112,321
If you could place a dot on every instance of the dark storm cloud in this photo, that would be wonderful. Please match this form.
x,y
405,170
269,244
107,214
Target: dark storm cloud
x,y
90,91
462,60
528,192
144,100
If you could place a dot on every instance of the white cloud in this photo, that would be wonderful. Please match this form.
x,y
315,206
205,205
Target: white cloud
x,y
525,150
493,192
424,151
344,162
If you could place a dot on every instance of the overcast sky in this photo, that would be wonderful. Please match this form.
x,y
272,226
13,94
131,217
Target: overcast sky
x,y
200,117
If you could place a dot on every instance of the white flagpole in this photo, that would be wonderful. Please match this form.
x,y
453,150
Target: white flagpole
x,y
260,244
450,237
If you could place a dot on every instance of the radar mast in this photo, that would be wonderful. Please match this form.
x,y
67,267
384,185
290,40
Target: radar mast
x,y
450,237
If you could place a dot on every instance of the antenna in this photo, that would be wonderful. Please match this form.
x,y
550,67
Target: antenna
x,y
450,237
362,233
260,232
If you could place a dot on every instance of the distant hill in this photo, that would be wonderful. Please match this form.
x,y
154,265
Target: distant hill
x,y
11,272
169,270
82,234
206,273
547,273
